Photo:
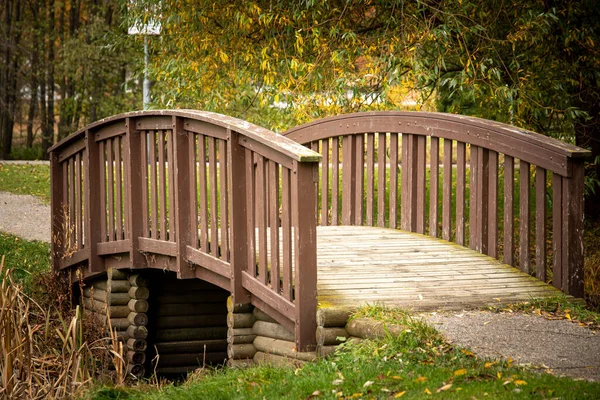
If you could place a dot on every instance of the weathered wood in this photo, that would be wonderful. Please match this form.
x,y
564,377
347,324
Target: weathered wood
x,y
381,178
238,307
333,317
188,359
325,182
393,202
139,319
112,299
447,192
540,223
325,351
262,316
335,180
117,274
359,191
190,321
103,308
239,320
282,348
509,242
492,246
331,336
137,332
138,280
243,363
140,306
421,183
557,232
368,328
137,344
113,286
348,179
460,192
139,292
573,251
524,215
434,177
240,335
136,357
272,330
186,334
136,370
241,351
191,346
267,358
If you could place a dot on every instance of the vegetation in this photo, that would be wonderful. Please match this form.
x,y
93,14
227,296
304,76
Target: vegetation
x,y
415,364
28,179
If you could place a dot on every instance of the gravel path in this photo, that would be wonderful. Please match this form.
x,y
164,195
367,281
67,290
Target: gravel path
x,y
558,346
24,216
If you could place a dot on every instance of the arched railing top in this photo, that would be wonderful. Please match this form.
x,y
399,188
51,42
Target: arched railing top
x,y
262,135
537,149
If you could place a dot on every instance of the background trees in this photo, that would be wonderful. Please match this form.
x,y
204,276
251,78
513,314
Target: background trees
x,y
534,64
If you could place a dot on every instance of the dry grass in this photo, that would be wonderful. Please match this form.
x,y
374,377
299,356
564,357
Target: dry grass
x,y
47,352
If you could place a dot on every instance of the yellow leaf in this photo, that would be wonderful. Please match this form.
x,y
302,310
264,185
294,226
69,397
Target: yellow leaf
x,y
421,379
568,316
444,388
467,353
397,377
460,372
510,361
520,382
499,375
399,394
487,365
426,391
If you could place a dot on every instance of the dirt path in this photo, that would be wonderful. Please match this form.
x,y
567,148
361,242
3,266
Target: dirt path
x,y
24,216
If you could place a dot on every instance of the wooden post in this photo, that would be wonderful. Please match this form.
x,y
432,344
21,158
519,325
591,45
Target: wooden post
x,y
572,233
181,178
348,180
58,226
304,220
238,217
92,172
135,189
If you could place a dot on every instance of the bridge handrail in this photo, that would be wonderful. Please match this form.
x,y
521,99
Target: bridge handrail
x,y
351,143
131,191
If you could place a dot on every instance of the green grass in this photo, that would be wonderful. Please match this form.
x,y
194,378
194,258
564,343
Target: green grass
x,y
24,258
26,179
416,364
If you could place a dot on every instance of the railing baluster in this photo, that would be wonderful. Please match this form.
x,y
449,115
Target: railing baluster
x,y
325,183
224,195
381,178
474,242
335,181
393,202
162,186
57,180
493,205
111,190
213,188
509,220
78,201
524,176
540,223
193,206
118,191
460,192
434,177
250,211
359,179
557,232
421,184
348,179
447,192
170,166
314,146
370,178
102,182
286,231
154,185
203,193
274,226
261,216
145,194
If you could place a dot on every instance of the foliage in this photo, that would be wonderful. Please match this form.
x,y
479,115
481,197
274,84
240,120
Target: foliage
x,y
417,363
26,258
31,179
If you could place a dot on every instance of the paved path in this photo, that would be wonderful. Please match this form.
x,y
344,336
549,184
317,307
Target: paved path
x,y
560,347
24,216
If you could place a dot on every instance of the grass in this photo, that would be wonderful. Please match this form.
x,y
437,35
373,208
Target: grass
x,y
416,364
26,179
25,258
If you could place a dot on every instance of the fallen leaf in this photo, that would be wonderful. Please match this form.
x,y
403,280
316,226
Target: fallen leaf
x,y
444,388
489,364
368,383
421,379
337,382
314,394
399,378
427,391
520,382
467,353
460,372
399,394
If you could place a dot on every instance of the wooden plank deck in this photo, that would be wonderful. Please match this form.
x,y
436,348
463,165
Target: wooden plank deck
x,y
367,265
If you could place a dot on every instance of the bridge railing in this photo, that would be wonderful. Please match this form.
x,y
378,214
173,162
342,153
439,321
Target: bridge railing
x,y
491,186
202,194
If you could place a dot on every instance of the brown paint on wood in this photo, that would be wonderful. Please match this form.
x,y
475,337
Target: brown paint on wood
x,y
540,224
393,201
335,180
381,178
473,199
261,216
92,202
524,216
153,185
162,187
143,146
421,184
224,198
203,193
325,183
118,189
286,234
447,191
434,176
359,179
493,205
212,188
460,192
509,242
102,184
274,225
370,195
348,179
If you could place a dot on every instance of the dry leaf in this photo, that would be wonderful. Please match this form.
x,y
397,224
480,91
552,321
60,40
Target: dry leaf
x,y
399,394
427,391
368,383
460,372
421,379
520,382
444,388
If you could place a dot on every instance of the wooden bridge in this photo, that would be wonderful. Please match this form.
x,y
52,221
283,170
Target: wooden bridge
x,y
422,210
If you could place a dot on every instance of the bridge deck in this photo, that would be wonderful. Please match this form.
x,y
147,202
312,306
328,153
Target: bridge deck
x,y
367,265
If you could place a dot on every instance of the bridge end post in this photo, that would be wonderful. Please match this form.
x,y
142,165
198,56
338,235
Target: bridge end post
x,y
93,210
573,203
58,215
238,217
304,221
